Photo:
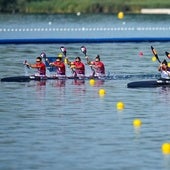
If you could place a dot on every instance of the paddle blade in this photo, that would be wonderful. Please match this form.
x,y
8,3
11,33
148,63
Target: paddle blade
x,y
63,50
43,55
155,53
25,63
167,54
83,50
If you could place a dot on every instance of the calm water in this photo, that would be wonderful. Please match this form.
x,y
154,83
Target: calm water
x,y
67,125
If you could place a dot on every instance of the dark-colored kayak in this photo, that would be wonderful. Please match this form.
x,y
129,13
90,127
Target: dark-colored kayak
x,y
108,77
38,78
149,83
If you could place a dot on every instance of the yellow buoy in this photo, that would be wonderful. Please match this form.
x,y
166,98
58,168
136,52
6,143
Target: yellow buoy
x,y
137,123
120,15
166,148
120,105
153,58
102,92
92,82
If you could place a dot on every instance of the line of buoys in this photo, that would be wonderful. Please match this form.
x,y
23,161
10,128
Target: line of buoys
x,y
101,91
137,123
64,29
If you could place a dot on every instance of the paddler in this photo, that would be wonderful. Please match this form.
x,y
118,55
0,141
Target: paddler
x,y
97,65
60,66
163,68
78,67
39,65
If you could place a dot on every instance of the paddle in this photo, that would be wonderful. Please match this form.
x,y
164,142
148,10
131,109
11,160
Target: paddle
x,y
26,67
84,51
25,64
155,54
49,67
167,54
43,55
64,51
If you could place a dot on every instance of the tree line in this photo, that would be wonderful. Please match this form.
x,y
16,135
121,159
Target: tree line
x,y
83,6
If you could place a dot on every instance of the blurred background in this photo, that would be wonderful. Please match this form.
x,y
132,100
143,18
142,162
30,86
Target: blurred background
x,y
83,6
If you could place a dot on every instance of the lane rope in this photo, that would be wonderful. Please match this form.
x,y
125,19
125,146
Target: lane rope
x,y
84,29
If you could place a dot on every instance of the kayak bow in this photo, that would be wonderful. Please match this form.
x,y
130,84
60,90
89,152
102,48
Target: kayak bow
x,y
149,83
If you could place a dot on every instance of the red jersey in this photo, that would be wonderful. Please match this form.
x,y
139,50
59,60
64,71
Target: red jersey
x,y
79,66
41,68
61,69
99,66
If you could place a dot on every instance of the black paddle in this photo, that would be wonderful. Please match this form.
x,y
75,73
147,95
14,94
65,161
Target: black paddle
x,y
25,64
155,54
167,54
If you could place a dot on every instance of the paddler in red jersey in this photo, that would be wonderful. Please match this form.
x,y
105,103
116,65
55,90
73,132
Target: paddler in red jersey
x,y
39,65
60,67
97,66
78,67
163,68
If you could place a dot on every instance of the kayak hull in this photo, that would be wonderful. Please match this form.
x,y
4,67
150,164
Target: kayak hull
x,y
108,77
38,78
149,84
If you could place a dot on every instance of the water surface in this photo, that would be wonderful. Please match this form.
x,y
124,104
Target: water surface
x,y
67,125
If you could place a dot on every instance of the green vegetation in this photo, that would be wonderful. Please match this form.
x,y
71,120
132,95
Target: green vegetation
x,y
83,6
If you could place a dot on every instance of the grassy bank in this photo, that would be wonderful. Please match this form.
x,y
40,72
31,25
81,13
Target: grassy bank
x,y
83,6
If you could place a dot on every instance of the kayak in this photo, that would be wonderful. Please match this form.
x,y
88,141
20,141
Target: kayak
x,y
107,77
149,83
44,78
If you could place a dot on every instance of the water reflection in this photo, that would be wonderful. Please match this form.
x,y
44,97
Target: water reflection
x,y
58,83
165,94
99,83
78,82
41,83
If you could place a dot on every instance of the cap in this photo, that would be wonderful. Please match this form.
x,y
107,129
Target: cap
x,y
38,59
98,57
164,62
58,58
60,55
78,58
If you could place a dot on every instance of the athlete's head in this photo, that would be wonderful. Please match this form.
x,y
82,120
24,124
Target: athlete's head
x,y
77,59
58,59
97,58
38,59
